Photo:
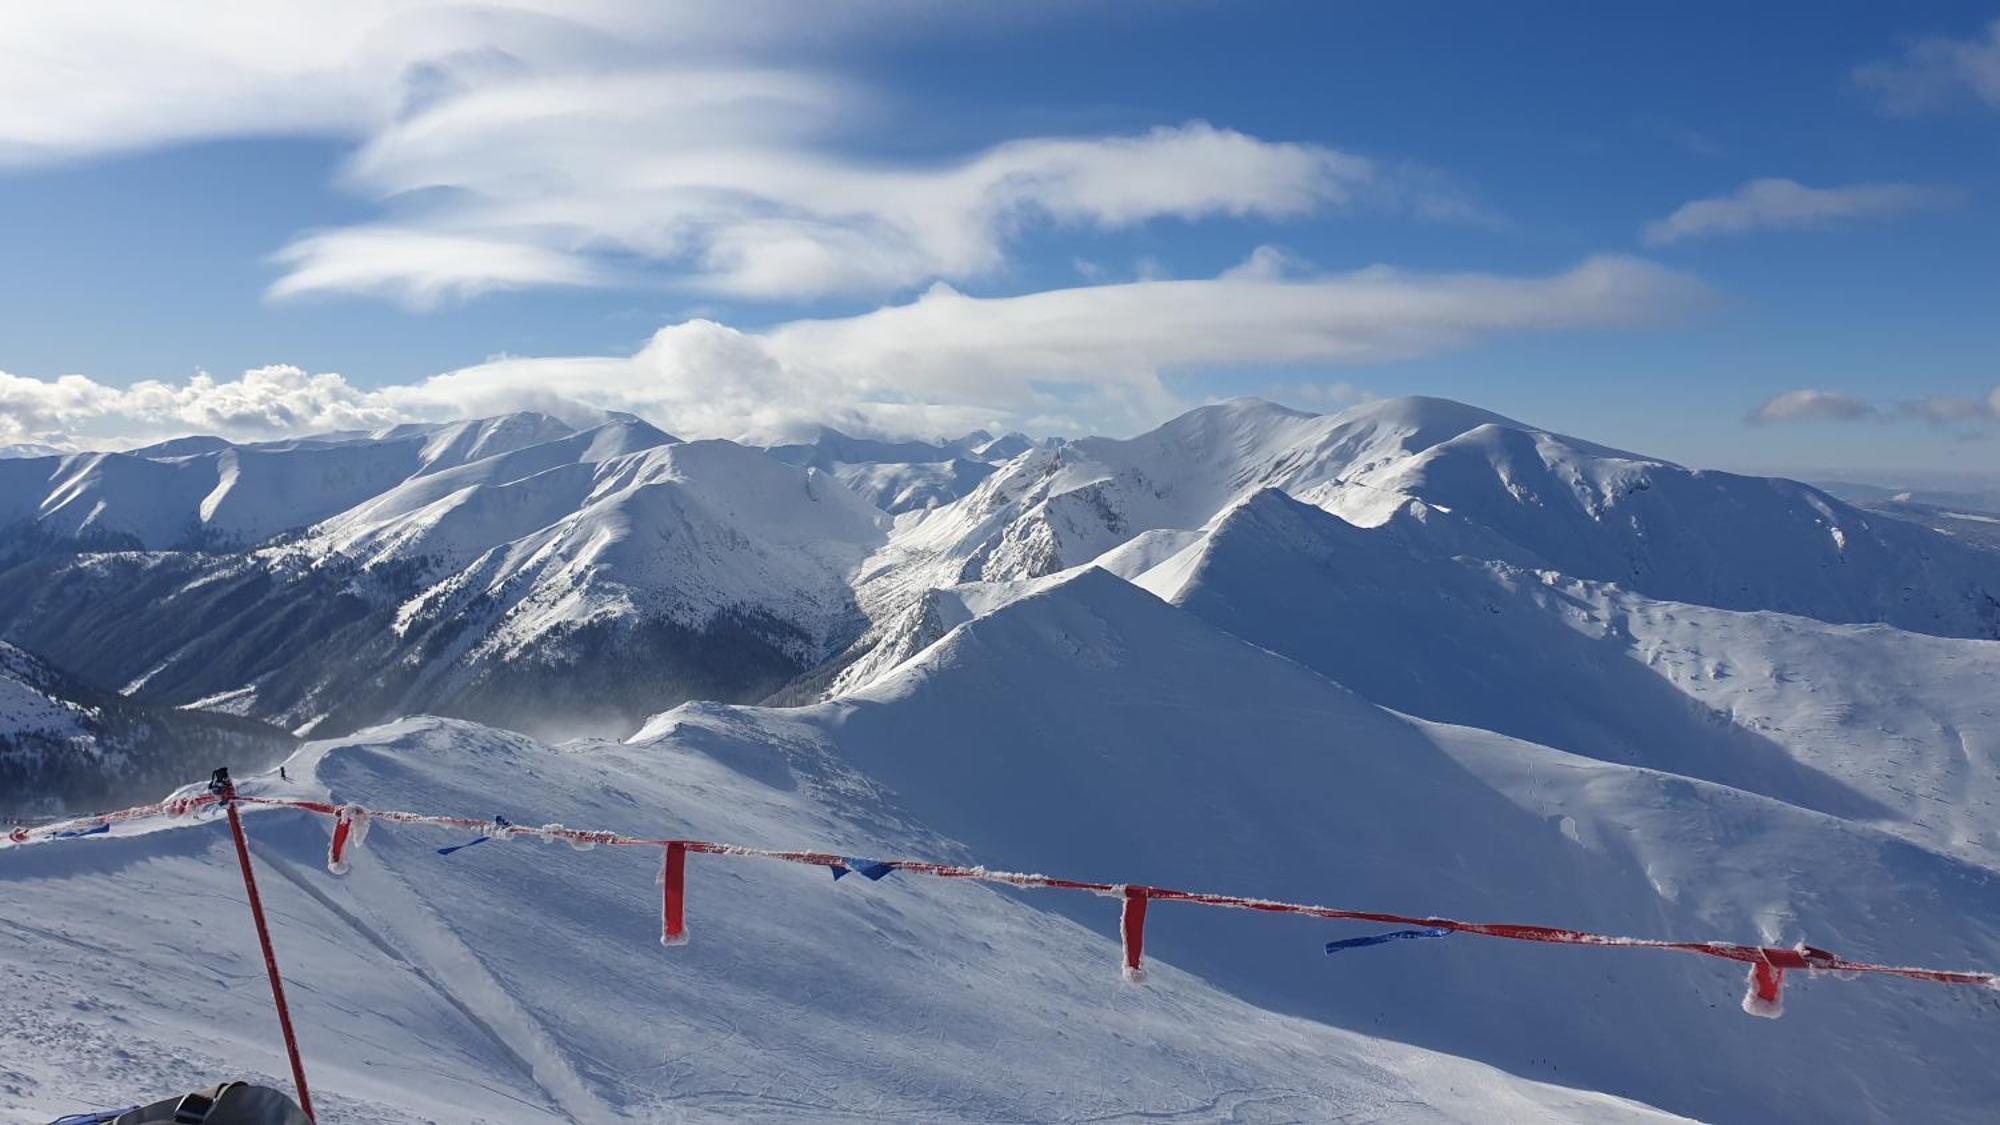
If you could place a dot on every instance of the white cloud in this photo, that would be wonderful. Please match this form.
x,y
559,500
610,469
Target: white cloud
x,y
1094,357
76,412
1938,71
1812,406
1948,410
111,75
1777,204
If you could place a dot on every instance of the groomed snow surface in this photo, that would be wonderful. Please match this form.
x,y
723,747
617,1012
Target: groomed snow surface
x,y
1412,657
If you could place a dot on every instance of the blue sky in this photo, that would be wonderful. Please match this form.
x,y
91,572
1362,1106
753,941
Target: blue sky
x,y
457,189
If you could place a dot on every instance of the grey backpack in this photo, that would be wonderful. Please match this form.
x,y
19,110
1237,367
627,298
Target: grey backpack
x,y
232,1103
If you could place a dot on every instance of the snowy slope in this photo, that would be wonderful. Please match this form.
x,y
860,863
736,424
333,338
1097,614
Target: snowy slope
x,y
67,747
206,492
687,534
897,488
437,556
524,982
1644,744
830,448
1710,538
905,476
1865,722
1558,502
455,512
13,450
575,584
1161,750
29,705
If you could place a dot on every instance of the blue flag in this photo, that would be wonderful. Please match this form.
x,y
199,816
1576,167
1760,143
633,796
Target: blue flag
x,y
1384,939
499,821
872,869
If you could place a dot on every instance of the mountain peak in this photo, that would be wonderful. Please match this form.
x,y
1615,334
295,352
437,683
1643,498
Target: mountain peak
x,y
1427,414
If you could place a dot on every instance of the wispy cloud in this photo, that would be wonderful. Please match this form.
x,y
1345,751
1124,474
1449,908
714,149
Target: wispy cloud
x,y
567,179
1780,204
423,269
1092,357
693,145
1937,71
113,75
1945,411
1812,406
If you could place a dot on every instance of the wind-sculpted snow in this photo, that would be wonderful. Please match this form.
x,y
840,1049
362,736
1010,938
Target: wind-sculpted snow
x,y
525,982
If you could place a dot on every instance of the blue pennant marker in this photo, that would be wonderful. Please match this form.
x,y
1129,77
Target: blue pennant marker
x,y
498,822
75,832
1384,939
872,869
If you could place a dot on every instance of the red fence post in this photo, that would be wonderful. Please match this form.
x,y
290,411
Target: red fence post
x,y
226,789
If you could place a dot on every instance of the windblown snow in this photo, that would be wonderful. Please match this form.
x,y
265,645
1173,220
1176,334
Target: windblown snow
x,y
1412,657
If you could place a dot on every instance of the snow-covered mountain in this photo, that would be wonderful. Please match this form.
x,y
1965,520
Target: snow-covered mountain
x,y
1412,656
466,568
1863,722
1530,496
906,476
1159,749
67,746
12,450
577,582
205,492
